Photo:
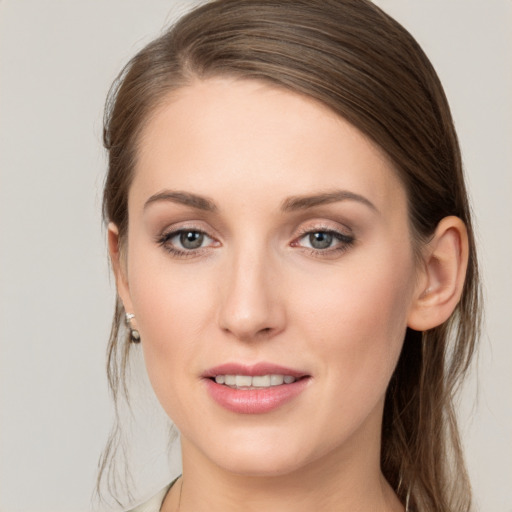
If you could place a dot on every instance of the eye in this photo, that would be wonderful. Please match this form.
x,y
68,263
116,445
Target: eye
x,y
190,239
185,242
320,240
324,241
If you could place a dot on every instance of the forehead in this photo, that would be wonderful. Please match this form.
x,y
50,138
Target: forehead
x,y
221,136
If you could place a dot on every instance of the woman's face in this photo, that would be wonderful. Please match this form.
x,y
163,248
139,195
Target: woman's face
x,y
269,248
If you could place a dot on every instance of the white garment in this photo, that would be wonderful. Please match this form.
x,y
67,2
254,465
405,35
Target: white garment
x,y
154,504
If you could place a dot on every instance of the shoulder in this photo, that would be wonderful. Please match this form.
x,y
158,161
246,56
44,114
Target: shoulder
x,y
154,503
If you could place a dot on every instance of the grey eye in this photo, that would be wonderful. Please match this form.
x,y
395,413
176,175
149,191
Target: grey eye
x,y
191,239
320,240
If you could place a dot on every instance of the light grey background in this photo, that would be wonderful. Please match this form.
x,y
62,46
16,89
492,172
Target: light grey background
x,y
57,60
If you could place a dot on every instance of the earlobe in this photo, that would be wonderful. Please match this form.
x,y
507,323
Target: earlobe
x,y
119,266
442,277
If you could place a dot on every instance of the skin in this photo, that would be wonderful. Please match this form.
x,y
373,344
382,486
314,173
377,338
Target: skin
x,y
256,291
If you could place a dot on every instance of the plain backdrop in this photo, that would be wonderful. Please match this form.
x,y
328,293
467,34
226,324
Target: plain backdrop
x,y
57,60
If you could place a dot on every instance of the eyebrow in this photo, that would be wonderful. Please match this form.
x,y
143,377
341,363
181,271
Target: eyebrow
x,y
185,198
304,202
290,204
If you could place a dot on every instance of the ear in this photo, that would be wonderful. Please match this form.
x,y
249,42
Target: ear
x,y
441,279
118,260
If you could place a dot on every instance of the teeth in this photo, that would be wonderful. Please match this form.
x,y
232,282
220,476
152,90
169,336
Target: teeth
x,y
243,381
230,380
262,381
277,380
258,381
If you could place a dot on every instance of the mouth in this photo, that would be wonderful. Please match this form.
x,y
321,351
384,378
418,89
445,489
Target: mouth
x,y
254,389
254,382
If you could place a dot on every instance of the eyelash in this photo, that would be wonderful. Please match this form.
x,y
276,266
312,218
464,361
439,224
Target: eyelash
x,y
344,242
164,241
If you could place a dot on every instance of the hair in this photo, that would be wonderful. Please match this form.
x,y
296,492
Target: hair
x,y
352,57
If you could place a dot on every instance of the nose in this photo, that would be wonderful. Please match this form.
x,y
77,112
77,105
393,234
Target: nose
x,y
251,307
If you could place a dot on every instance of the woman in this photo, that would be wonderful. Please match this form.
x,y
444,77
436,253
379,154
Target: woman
x,y
292,244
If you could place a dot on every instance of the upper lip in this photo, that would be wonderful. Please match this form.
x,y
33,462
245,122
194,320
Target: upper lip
x,y
262,368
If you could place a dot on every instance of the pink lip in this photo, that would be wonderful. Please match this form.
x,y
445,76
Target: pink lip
x,y
252,370
254,401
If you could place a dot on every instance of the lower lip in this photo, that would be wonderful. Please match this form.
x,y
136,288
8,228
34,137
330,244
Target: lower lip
x,y
255,401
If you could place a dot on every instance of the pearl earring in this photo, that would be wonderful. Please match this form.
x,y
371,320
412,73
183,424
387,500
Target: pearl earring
x,y
134,333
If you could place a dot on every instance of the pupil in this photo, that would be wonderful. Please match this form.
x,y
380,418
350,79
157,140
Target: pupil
x,y
191,239
320,240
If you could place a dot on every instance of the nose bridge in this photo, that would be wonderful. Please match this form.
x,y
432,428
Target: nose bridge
x,y
250,304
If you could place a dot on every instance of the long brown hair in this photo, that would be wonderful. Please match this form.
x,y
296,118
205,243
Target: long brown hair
x,y
354,58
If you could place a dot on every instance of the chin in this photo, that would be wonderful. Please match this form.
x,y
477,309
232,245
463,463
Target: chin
x,y
262,456
261,466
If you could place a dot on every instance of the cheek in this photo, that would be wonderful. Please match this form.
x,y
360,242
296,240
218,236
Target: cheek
x,y
360,323
166,296
172,312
